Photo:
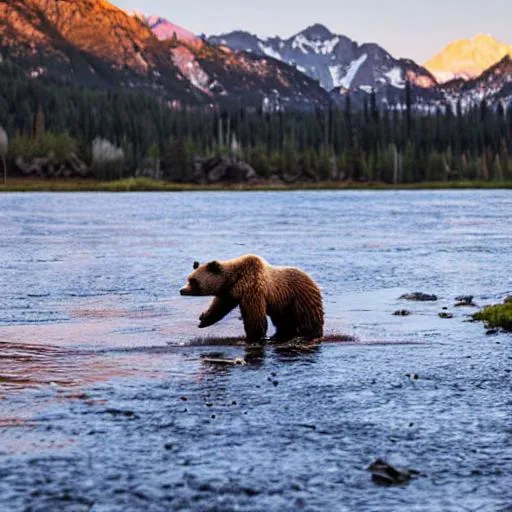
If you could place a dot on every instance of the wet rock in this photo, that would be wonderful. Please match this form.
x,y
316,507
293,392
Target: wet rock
x,y
444,314
402,312
387,475
225,170
492,332
419,297
309,426
120,412
52,166
464,300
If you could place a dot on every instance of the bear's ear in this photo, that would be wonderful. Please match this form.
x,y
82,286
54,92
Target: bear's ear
x,y
214,267
196,265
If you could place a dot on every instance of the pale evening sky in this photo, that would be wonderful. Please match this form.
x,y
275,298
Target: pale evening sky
x,y
413,29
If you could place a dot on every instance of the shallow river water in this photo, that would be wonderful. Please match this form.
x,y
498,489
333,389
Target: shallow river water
x,y
106,402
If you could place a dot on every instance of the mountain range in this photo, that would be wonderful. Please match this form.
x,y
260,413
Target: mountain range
x,y
94,43
466,71
333,59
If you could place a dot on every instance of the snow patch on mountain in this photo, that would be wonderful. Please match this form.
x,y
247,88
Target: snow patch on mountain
x,y
337,74
268,50
395,78
186,62
352,70
320,47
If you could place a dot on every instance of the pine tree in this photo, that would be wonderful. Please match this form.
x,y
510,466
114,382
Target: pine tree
x,y
40,125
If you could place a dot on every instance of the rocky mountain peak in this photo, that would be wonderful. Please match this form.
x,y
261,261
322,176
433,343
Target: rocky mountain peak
x,y
317,32
164,30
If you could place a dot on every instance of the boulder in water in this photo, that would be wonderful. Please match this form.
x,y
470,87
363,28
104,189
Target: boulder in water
x,y
419,297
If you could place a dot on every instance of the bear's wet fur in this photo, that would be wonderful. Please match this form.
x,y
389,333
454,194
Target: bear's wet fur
x,y
289,296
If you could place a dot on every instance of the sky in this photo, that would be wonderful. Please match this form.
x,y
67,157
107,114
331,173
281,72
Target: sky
x,y
413,29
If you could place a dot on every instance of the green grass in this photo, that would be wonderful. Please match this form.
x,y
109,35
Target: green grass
x,y
499,315
149,185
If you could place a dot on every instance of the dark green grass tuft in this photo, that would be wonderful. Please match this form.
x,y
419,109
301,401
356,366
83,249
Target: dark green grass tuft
x,y
499,315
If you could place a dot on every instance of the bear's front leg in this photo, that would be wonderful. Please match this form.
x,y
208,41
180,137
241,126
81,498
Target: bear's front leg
x,y
255,320
218,309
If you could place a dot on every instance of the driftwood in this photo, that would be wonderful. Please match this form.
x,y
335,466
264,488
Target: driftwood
x,y
222,361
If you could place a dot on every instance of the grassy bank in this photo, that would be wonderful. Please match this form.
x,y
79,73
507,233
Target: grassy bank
x,y
148,185
499,315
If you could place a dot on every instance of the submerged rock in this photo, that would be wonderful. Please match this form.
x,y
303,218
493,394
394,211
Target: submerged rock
x,y
402,312
444,314
385,474
419,297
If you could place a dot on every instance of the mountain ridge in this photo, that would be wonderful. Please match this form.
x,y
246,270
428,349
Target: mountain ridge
x,y
94,43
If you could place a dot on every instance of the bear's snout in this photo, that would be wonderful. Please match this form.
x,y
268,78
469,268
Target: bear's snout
x,y
190,291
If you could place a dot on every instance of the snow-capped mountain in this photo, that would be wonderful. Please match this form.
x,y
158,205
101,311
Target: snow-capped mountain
x,y
334,60
93,43
467,58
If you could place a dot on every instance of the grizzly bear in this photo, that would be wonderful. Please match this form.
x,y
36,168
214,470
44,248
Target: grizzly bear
x,y
287,295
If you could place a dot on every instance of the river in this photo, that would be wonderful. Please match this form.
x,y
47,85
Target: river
x,y
106,402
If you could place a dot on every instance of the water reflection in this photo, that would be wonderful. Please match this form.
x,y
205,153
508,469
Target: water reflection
x,y
29,366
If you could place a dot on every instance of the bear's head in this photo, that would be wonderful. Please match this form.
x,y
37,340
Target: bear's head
x,y
207,279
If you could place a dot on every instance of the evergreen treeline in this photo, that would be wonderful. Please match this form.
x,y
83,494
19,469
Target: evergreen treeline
x,y
398,146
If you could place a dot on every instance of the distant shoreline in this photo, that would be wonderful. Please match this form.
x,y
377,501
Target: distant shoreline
x,y
148,185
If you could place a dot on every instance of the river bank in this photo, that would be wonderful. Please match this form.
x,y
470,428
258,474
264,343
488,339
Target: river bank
x,y
149,185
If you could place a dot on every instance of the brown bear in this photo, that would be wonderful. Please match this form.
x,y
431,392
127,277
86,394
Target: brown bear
x,y
288,295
